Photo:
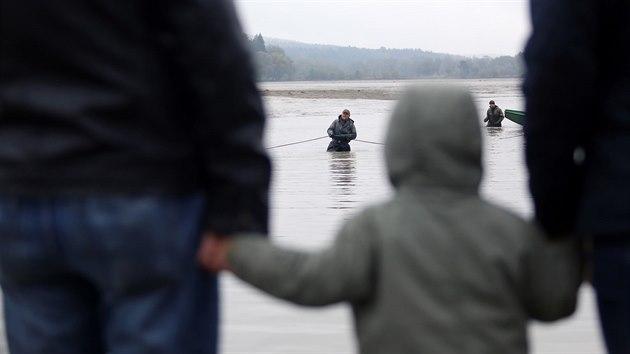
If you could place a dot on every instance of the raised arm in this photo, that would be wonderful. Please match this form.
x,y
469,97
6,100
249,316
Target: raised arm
x,y
342,272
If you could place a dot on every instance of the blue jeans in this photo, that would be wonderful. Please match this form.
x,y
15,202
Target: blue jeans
x,y
611,280
106,275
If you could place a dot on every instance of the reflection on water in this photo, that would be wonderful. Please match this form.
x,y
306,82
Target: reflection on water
x,y
342,179
494,131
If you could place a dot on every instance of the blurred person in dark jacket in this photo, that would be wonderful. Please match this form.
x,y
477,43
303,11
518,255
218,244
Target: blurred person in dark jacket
x,y
129,132
578,141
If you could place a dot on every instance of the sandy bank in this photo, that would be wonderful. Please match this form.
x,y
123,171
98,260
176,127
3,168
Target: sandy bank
x,y
367,94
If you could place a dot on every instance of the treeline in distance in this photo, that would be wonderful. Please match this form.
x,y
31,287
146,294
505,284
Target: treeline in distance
x,y
280,60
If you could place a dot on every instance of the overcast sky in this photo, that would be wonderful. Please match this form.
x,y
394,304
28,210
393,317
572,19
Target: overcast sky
x,y
466,27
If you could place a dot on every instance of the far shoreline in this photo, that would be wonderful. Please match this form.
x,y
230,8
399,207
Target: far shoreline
x,y
354,89
368,94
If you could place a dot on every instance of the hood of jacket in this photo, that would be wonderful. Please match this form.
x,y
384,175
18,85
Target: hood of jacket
x,y
434,139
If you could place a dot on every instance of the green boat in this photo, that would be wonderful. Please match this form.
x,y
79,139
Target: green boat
x,y
515,116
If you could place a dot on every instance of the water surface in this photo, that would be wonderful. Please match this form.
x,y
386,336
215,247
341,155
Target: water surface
x,y
314,192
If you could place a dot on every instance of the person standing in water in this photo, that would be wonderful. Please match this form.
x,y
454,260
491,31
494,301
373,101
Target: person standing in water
x,y
494,115
341,131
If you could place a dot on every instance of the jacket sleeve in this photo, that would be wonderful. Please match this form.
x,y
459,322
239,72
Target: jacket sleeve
x,y
353,133
552,277
211,56
561,73
331,128
342,272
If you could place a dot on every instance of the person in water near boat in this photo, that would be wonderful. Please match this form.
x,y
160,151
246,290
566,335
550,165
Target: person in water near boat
x,y
436,269
579,159
494,115
341,131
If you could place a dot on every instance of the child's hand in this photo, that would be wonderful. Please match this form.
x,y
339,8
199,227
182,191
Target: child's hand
x,y
213,252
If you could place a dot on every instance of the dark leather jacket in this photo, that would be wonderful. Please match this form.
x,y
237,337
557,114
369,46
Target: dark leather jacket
x,y
132,97
579,156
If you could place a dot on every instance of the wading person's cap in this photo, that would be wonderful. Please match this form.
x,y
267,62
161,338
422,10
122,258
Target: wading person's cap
x,y
491,102
346,111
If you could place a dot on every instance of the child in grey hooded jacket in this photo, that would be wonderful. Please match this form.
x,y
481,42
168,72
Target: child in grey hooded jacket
x,y
436,269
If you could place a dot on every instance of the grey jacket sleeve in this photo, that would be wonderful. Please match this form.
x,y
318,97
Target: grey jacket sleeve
x,y
353,133
339,273
331,128
552,278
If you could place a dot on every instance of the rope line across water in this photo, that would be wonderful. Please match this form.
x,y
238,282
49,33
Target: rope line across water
x,y
369,142
297,142
362,141
321,137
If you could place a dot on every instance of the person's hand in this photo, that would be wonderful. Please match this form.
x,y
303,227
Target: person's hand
x,y
485,119
213,251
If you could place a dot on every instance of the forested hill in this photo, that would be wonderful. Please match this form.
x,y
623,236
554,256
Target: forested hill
x,y
278,59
